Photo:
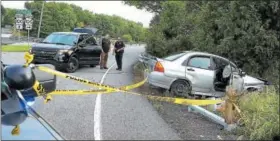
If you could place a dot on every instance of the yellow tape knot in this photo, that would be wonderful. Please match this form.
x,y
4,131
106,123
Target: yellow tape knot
x,y
16,131
48,99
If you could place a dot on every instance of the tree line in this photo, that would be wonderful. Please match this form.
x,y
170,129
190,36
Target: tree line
x,y
58,16
244,31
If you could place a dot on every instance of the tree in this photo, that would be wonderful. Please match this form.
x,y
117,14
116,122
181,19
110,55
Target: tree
x,y
9,17
2,15
246,32
64,17
127,38
151,6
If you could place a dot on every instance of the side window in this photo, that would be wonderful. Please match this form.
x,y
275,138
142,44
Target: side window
x,y
219,63
202,62
81,38
91,40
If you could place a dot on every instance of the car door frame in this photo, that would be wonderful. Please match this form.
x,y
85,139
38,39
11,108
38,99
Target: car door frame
x,y
84,53
195,86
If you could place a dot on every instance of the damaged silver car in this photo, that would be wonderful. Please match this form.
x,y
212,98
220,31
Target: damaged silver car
x,y
191,74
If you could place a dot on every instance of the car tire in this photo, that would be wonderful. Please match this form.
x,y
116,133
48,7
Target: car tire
x,y
73,65
181,88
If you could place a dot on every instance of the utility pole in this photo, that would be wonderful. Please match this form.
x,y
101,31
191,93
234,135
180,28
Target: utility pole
x,y
40,22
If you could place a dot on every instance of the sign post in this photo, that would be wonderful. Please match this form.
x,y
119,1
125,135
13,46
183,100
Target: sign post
x,y
23,20
19,23
28,24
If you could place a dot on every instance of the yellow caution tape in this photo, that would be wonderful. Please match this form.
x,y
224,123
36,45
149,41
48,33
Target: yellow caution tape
x,y
183,101
28,58
39,89
81,80
110,89
77,92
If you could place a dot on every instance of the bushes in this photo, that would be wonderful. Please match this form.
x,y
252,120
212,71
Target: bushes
x,y
260,114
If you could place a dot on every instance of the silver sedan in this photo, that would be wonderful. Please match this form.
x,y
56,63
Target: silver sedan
x,y
192,74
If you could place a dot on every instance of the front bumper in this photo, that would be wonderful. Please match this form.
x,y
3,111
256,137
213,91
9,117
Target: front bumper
x,y
57,64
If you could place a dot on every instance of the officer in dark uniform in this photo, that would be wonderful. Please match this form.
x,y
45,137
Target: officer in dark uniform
x,y
106,44
119,50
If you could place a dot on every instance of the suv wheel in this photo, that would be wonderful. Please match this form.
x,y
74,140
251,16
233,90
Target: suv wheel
x,y
73,65
181,88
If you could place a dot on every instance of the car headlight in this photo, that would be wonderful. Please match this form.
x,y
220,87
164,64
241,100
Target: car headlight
x,y
60,52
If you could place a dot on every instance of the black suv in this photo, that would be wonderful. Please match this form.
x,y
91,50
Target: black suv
x,y
67,50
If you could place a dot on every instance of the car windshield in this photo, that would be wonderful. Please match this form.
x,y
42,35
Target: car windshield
x,y
174,56
63,39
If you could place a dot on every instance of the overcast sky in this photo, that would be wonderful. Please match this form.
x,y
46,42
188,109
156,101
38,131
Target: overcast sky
x,y
105,7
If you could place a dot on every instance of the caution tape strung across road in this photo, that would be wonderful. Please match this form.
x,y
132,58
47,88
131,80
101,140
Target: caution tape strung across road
x,y
105,89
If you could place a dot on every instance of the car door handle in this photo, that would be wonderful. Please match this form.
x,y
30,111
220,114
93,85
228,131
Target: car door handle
x,y
190,69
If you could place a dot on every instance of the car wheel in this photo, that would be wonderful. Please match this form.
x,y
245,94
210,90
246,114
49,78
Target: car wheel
x,y
73,65
181,88
92,66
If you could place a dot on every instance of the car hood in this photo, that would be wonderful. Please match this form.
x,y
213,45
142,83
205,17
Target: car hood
x,y
42,46
249,80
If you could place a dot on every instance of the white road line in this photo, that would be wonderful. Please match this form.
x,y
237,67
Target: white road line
x,y
97,110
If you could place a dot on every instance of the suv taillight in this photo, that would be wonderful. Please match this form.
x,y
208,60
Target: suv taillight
x,y
158,67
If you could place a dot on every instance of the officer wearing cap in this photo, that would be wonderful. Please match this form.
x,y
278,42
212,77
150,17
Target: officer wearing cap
x,y
119,50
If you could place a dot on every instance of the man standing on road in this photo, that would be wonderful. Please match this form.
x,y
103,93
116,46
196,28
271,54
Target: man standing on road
x,y
119,50
106,44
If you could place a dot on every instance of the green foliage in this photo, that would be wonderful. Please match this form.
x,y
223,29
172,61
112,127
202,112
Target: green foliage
x,y
9,16
3,11
152,6
243,31
260,114
127,38
58,16
15,48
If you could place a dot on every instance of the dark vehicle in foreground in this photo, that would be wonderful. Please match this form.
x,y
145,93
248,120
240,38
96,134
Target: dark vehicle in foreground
x,y
67,51
16,104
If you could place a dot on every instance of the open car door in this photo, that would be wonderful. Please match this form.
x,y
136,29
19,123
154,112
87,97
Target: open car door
x,y
236,80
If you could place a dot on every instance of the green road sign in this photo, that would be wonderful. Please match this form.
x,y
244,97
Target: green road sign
x,y
24,12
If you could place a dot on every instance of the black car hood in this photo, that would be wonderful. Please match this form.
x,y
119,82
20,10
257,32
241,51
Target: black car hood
x,y
50,47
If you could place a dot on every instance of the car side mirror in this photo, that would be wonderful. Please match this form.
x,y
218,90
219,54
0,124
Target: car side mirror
x,y
242,73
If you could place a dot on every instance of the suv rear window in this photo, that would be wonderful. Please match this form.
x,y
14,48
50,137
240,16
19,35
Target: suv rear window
x,y
174,56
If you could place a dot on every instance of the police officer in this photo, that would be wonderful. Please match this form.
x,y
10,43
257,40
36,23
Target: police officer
x,y
106,44
119,50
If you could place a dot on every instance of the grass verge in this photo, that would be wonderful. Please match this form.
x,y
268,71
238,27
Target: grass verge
x,y
260,115
145,89
15,48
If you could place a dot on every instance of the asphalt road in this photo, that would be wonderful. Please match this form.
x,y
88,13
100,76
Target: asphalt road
x,y
116,116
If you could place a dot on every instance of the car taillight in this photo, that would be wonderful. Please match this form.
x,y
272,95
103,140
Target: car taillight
x,y
159,67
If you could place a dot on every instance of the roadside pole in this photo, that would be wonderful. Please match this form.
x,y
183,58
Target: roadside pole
x,y
27,37
28,25
19,23
40,22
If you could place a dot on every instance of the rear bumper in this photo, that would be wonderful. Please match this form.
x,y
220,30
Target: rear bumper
x,y
160,80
